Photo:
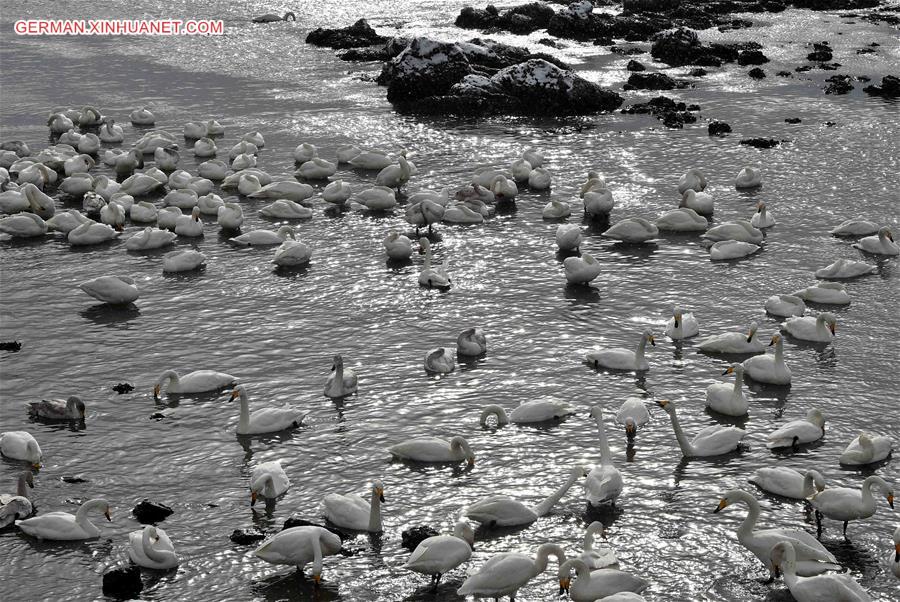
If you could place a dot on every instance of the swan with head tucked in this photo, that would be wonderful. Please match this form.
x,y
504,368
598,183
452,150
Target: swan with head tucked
x,y
377,198
682,325
846,504
397,246
597,557
189,225
440,554
268,480
285,209
434,449
316,169
622,359
714,440
439,361
727,399
21,445
539,179
57,409
568,237
230,216
700,202
693,179
62,526
432,277
734,342
471,342
598,584
260,238
461,213
265,420
740,230
371,159
209,204
769,368
632,230
882,244
182,261
505,190
762,218
298,546
785,306
819,329
520,169
598,201
845,268
151,548
855,227
527,412
825,293
582,270
199,381
817,588
632,414
292,253
24,225
748,177
142,116
290,190
556,210
798,432
353,512
115,290
206,147
504,511
866,448
150,238
603,484
340,382
682,219
13,508
787,482
812,555
505,573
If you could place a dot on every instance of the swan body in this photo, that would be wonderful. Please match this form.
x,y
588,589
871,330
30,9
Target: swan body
x,y
846,504
182,261
340,382
622,359
166,158
788,482
528,412
439,361
23,483
234,180
798,432
434,449
13,201
894,557
230,216
394,175
814,589
603,484
785,306
115,290
195,130
632,414
13,508
266,420
598,202
292,253
254,138
59,123
813,556
731,249
316,169
819,329
458,213
62,526
151,548
539,179
78,164
76,185
167,217
142,116
67,221
204,148
243,161
700,202
600,557
268,480
593,585
727,399
534,158
397,246
23,225
189,225
292,191
556,210
21,445
57,409
471,342
432,277
882,244
307,152
337,192
769,368
371,159
762,218
505,573
353,512
682,219
140,184
298,546
209,204
845,268
581,270
259,238
734,342
504,511
632,230
682,326
505,190
825,293
484,177
441,554
748,177
711,441
855,227
285,209
248,184
568,237
739,230
89,116
474,192
112,214
199,381
520,170
866,448
693,179
377,198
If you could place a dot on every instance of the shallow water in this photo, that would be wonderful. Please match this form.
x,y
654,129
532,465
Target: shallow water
x,y
277,330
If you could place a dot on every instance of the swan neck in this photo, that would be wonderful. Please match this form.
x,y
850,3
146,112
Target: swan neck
x,y
149,551
738,383
81,515
375,513
639,353
494,410
605,455
779,352
749,523
244,420
686,448
545,506
543,556
317,554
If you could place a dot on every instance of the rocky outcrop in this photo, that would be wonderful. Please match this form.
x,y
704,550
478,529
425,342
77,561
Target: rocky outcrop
x,y
151,512
672,114
838,84
633,65
358,34
520,19
682,47
718,128
650,81
756,73
821,53
751,57
890,87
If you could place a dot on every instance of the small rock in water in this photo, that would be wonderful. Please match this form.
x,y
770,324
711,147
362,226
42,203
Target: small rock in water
x,y
358,34
821,53
123,582
73,480
412,537
151,512
761,142
164,413
830,124
649,81
123,388
784,74
296,521
10,346
751,57
697,72
838,84
757,73
718,128
890,87
248,536
633,65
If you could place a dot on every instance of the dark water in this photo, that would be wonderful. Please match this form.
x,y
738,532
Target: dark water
x,y
277,330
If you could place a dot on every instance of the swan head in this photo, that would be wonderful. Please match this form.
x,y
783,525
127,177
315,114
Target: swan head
x,y
648,334
236,392
596,413
885,232
737,369
775,339
337,362
424,245
752,332
761,207
291,15
816,416
677,313
829,319
378,489
74,403
666,405
461,443
782,552
464,531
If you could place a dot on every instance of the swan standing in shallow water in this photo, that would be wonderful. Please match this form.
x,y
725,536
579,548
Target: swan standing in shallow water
x,y
603,484
21,445
812,555
785,306
819,329
266,420
115,290
430,276
814,589
57,409
682,325
594,585
599,557
581,270
538,410
845,268
769,368
62,526
504,511
788,482
199,381
434,449
268,480
505,573
866,448
353,512
151,548
299,546
882,244
727,399
714,440
846,504
439,361
734,342
471,342
340,382
622,359
440,554
798,432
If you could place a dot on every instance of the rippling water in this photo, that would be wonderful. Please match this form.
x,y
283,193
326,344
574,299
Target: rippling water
x,y
277,330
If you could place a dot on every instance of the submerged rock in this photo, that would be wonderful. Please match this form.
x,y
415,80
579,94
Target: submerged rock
x,y
248,536
122,388
761,142
123,582
672,114
358,34
792,120
718,128
682,47
697,72
650,81
890,87
821,53
838,84
10,346
151,512
757,73
633,65
412,537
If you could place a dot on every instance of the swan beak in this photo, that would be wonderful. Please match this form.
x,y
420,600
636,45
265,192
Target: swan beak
x,y
316,580
750,336
676,321
564,586
776,570
730,369
897,553
652,342
722,504
156,391
107,515
36,466
832,328
252,498
630,430
774,340
890,499
234,395
380,493
662,403
471,461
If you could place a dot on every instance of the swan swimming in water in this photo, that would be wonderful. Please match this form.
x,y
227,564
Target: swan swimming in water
x,y
632,414
556,210
855,227
748,177
598,584
292,253
819,329
439,361
340,382
434,449
727,399
151,548
845,268
471,342
693,179
866,448
882,244
825,293
700,202
57,409
189,225
352,512
21,445
603,484
440,554
714,440
182,261
62,526
734,342
623,359
505,573
682,325
632,230
739,230
762,218
23,225
599,557
377,198
260,238
798,432
788,482
682,219
268,480
265,420
769,368
731,249
397,246
199,381
298,546
528,412
582,270
115,290
316,169
785,306
814,589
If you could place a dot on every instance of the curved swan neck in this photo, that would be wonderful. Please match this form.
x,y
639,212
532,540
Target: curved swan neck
x,y
639,353
149,551
21,485
494,410
316,545
545,506
749,523
595,527
605,455
686,448
867,485
169,377
262,483
81,515
812,481
543,555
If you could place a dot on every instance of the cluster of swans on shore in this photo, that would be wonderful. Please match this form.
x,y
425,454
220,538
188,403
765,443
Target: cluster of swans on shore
x,y
26,179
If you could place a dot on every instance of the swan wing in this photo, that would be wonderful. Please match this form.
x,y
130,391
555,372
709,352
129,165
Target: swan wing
x,y
718,439
505,572
603,484
501,510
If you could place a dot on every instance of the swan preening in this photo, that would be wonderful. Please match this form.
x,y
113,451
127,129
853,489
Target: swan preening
x,y
505,573
151,548
597,557
268,480
581,270
471,342
866,448
115,290
21,445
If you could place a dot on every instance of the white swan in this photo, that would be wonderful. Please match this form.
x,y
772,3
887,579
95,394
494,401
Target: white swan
x,y
206,147
682,219
504,511
340,382
597,557
377,198
189,225
62,526
740,230
788,482
769,369
700,202
734,342
748,177
254,138
818,588
762,218
21,445
505,190
89,116
371,159
316,169
265,420
151,548
798,432
556,210
598,199
394,175
268,480
298,546
353,512
198,381
140,184
24,482
230,216
115,290
142,116
785,306
307,152
292,191
622,359
845,268
14,508
113,214
439,361
247,183
166,158
866,448
727,399
581,270
59,123
632,230
539,179
594,585
397,246
603,484
441,554
812,555
825,293
182,260
520,169
78,164
505,573
260,238
23,225
819,329
894,557
534,157
76,185
846,504
243,161
285,209
167,216
537,410
882,244
693,179
337,192
731,249
458,213
714,440
632,414
855,227
568,237
471,342
292,253
682,325
432,277
209,204
195,130
434,449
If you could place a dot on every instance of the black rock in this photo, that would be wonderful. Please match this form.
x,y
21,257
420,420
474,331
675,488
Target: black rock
x,y
784,74
890,87
802,68
718,128
792,120
693,107
866,51
123,582
761,142
838,84
835,4
821,52
358,34
412,537
697,72
757,73
548,42
10,346
123,388
682,47
677,119
477,18
73,480
633,65
651,81
151,512
296,521
248,536
830,124
751,57
604,41
627,51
